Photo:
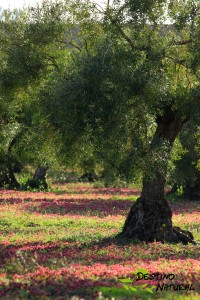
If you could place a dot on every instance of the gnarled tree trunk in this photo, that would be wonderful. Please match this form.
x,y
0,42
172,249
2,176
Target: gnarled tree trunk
x,y
150,217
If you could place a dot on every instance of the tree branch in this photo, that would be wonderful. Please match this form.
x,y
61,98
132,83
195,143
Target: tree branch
x,y
70,44
183,42
177,60
131,43
86,44
53,62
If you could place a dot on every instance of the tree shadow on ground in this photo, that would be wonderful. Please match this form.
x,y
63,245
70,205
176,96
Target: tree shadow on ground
x,y
98,190
184,207
83,207
90,207
110,251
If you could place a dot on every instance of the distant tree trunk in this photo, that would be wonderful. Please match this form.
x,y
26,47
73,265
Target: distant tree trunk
x,y
192,191
150,217
39,178
89,176
173,189
8,179
13,183
4,179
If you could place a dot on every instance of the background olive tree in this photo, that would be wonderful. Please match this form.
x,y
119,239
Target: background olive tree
x,y
31,55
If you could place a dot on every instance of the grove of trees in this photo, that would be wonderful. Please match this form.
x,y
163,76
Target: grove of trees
x,y
113,90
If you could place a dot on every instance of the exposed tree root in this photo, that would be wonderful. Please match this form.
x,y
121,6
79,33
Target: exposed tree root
x,y
152,221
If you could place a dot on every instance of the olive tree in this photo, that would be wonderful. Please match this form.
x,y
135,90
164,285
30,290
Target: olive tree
x,y
139,80
30,40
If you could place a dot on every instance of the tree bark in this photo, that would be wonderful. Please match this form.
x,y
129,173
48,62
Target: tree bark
x,y
150,217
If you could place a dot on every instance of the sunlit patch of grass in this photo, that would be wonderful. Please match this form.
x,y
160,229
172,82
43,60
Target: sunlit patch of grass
x,y
19,226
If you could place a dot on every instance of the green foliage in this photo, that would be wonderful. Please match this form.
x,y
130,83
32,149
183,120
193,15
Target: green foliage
x,y
126,292
29,59
88,89
186,168
130,73
91,109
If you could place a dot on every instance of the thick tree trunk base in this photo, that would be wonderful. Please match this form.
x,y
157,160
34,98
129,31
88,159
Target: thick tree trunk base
x,y
151,221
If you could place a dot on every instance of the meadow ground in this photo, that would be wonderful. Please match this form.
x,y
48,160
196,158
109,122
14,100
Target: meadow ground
x,y
61,245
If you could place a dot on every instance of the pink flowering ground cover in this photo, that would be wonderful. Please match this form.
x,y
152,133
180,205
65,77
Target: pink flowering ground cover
x,y
62,245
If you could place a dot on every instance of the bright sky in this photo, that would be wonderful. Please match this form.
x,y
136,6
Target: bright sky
x,y
15,3
20,3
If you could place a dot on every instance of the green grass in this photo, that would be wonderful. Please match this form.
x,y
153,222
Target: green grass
x,y
57,245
